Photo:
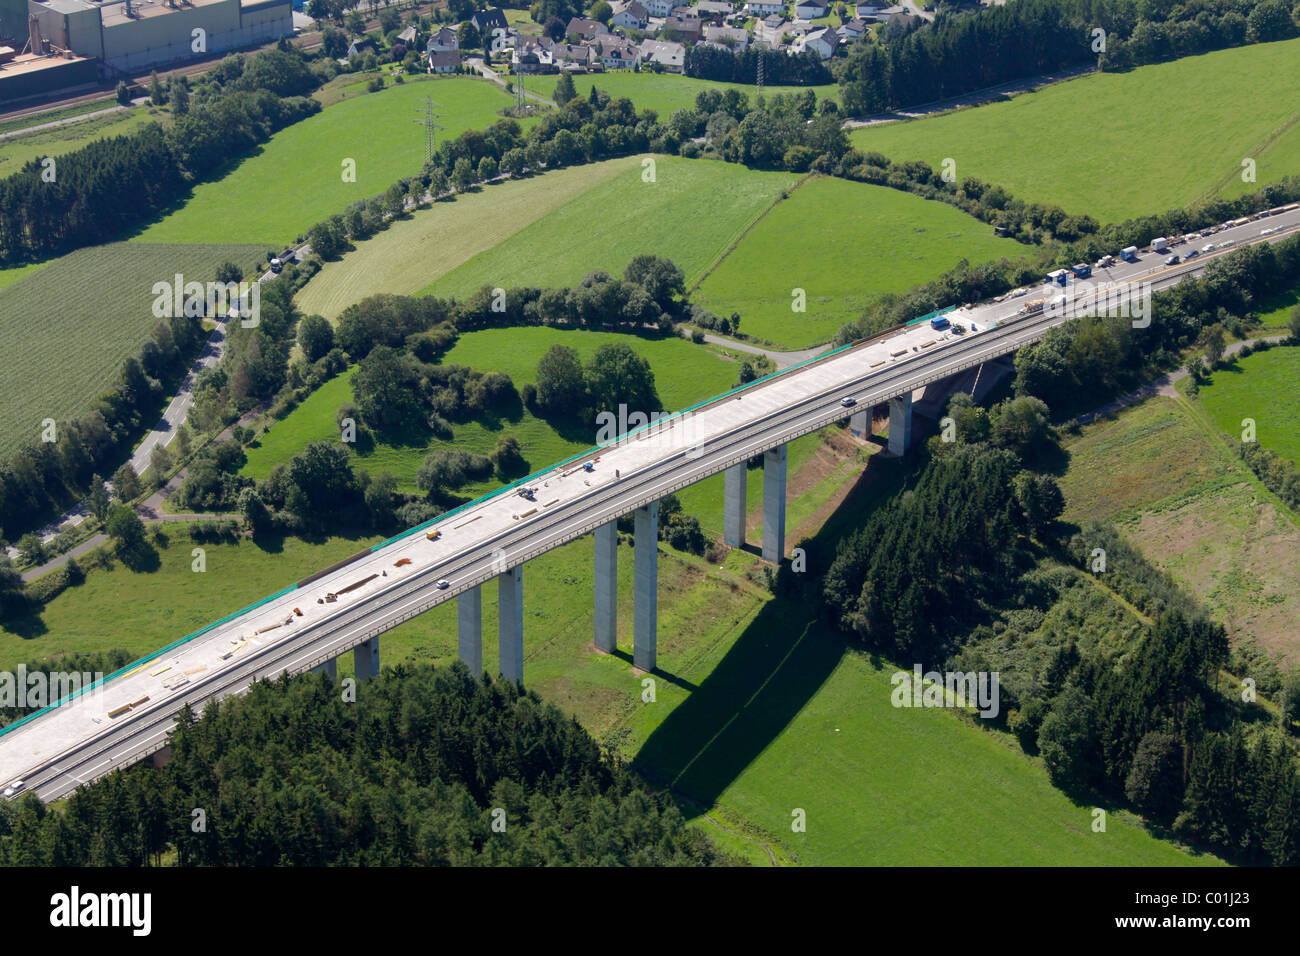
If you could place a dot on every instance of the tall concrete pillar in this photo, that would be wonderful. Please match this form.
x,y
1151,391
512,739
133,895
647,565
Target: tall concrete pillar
x,y
469,629
774,460
607,586
733,506
510,610
860,423
330,667
645,595
900,424
365,659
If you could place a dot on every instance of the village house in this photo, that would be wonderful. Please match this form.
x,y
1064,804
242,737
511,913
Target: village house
x,y
445,39
763,8
822,42
682,25
573,58
671,56
631,15
733,38
585,29
715,11
616,53
444,61
811,9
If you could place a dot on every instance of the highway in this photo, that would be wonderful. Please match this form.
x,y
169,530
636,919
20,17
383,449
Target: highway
x,y
299,628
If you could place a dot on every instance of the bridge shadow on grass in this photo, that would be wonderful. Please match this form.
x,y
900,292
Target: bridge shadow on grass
x,y
659,672
768,676
765,680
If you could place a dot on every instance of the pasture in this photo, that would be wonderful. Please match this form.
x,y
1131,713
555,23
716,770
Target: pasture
x,y
1260,387
844,244
691,213
1160,136
296,179
430,242
67,326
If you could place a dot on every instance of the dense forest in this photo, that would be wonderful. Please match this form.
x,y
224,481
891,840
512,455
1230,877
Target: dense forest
x,y
427,767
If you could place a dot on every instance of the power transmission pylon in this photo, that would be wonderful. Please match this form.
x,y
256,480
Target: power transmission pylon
x,y
429,124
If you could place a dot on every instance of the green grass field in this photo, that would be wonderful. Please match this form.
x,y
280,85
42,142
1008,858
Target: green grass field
x,y
414,251
18,150
1163,136
1261,387
684,374
67,327
13,273
663,92
691,213
296,179
844,244
1163,473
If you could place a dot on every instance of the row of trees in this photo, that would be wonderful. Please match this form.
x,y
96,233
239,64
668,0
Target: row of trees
x,y
429,767
779,67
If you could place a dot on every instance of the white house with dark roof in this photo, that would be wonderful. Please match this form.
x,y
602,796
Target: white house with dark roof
x,y
615,53
822,42
487,20
630,15
445,39
444,61
811,9
763,8
658,8
854,29
573,57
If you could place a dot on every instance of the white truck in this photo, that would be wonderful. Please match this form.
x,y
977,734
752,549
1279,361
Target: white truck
x,y
1160,244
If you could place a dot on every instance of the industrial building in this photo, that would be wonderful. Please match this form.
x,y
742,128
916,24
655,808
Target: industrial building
x,y
128,36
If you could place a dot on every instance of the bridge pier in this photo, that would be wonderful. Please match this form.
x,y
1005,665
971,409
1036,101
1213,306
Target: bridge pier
x,y
365,659
645,595
774,461
607,586
860,423
330,667
510,610
900,424
469,629
733,506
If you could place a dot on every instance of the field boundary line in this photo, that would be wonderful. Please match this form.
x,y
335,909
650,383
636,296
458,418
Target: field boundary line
x,y
722,257
1277,133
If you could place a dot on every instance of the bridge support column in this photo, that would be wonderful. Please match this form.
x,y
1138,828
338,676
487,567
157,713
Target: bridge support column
x,y
900,424
330,667
469,629
510,609
365,659
607,586
774,460
733,506
860,423
645,597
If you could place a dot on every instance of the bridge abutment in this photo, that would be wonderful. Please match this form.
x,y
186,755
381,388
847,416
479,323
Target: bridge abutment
x,y
607,586
733,506
774,468
469,629
645,596
510,608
